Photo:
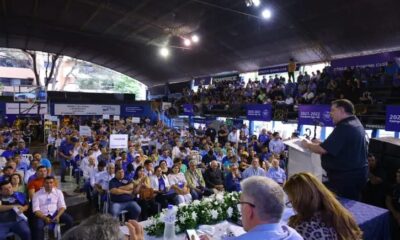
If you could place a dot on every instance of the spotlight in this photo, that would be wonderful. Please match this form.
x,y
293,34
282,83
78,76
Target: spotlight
x,y
187,42
256,3
195,38
164,52
266,13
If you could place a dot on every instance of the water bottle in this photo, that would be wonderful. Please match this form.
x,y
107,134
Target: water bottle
x,y
169,220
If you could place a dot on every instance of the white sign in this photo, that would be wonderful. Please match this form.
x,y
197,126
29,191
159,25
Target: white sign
x,y
47,116
166,105
135,120
85,131
116,118
106,116
54,118
25,108
86,109
118,141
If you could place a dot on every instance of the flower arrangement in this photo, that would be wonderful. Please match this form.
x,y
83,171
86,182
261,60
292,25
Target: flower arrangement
x,y
211,210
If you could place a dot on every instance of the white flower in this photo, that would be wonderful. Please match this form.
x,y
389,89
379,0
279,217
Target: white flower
x,y
177,229
182,219
214,214
162,216
205,200
194,216
219,197
182,205
230,211
196,202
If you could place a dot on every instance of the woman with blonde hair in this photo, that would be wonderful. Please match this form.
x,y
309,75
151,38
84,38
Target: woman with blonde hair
x,y
319,215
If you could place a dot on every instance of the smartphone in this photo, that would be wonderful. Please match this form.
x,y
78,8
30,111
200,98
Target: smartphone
x,y
192,235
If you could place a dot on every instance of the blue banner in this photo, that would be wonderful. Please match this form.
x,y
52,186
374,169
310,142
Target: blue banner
x,y
188,109
276,69
128,110
392,118
315,115
372,61
201,81
259,112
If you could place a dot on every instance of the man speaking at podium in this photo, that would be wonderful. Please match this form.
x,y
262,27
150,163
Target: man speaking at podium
x,y
344,153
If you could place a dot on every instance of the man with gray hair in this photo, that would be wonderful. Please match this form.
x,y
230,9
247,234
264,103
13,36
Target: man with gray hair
x,y
261,205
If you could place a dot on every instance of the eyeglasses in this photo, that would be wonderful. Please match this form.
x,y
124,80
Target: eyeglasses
x,y
248,203
289,204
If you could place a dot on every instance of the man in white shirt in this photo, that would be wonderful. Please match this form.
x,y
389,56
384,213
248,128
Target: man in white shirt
x,y
276,145
254,169
233,137
49,207
31,171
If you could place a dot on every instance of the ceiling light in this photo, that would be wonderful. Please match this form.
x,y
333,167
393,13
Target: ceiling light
x,y
256,3
164,52
187,42
266,13
195,38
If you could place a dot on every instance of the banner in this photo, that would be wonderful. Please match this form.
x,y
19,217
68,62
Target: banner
x,y
188,109
86,109
372,61
276,69
392,118
85,131
25,108
118,141
106,117
202,81
135,120
259,112
315,115
116,118
226,78
132,110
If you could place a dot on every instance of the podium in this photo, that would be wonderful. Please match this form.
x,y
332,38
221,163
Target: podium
x,y
302,160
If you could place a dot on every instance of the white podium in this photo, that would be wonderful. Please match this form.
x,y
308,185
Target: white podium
x,y
302,160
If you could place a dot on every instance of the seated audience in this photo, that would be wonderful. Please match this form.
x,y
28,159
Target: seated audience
x,y
254,169
232,180
393,204
196,182
178,183
214,177
162,188
10,221
146,196
276,173
319,215
121,196
49,207
17,183
374,190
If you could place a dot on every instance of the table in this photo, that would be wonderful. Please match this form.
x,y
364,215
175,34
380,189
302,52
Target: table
x,y
373,221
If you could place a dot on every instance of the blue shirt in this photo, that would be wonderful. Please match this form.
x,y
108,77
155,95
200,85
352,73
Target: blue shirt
x,y
167,159
278,175
263,138
276,146
271,231
251,171
66,148
115,183
7,154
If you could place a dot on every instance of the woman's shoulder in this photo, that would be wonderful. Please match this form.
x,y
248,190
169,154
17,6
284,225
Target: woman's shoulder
x,y
315,228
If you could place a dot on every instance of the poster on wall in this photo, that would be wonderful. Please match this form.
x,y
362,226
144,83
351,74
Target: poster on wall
x,y
118,141
315,115
86,109
188,109
259,112
392,118
25,108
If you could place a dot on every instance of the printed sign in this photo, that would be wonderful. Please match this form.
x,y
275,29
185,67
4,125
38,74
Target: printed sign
x,y
118,141
25,108
392,118
188,109
315,115
86,109
85,131
259,112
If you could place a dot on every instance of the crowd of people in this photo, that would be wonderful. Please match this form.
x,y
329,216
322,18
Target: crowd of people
x,y
161,166
320,87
